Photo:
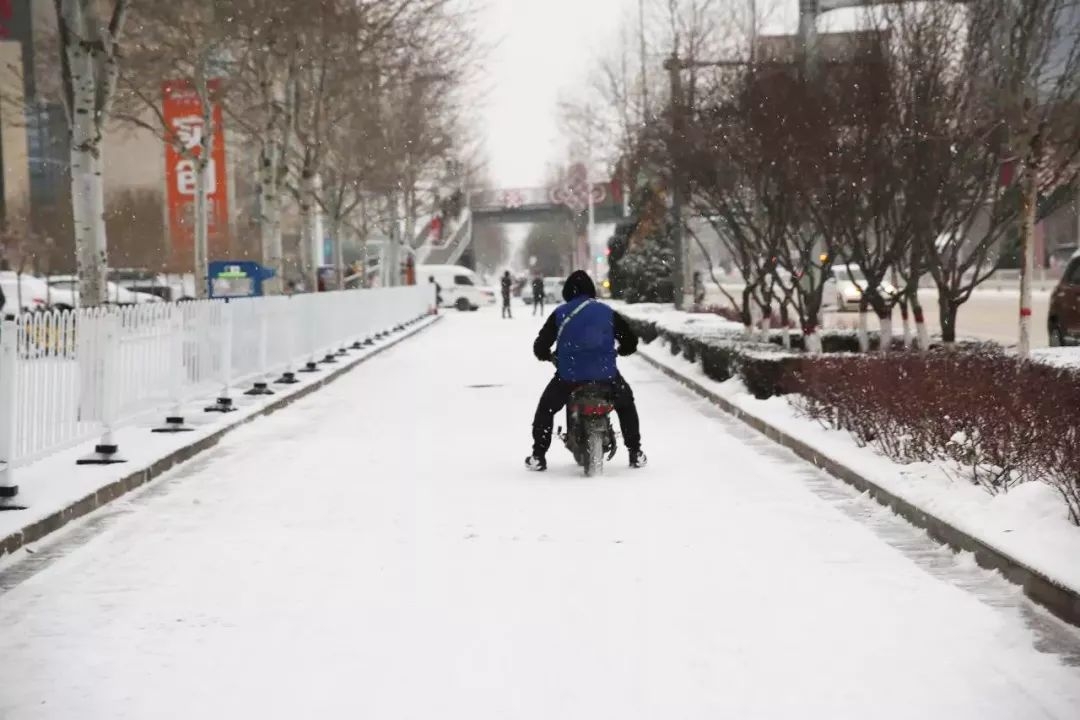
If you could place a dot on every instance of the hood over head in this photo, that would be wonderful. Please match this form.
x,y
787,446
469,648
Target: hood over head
x,y
578,284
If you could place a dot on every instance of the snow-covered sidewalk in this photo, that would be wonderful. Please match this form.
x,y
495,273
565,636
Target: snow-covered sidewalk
x,y
377,550
54,490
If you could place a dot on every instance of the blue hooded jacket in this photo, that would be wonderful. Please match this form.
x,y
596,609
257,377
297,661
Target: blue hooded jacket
x,y
585,333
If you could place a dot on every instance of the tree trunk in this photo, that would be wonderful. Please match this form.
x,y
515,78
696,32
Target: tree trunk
x,y
885,321
339,253
922,335
812,339
785,321
1027,250
202,224
309,264
270,216
905,316
947,311
747,312
864,325
87,182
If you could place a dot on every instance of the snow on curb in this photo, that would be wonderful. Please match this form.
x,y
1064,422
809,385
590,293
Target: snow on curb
x,y
56,492
1022,534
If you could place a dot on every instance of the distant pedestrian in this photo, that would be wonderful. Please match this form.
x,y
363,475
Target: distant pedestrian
x,y
538,295
438,293
507,283
699,289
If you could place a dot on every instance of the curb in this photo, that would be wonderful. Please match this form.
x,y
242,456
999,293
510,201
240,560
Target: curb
x,y
1063,602
113,490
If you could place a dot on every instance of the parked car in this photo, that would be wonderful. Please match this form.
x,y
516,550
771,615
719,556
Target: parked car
x,y
847,286
170,288
461,287
1063,318
22,293
68,285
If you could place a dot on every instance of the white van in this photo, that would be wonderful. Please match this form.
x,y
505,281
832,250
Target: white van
x,y
460,287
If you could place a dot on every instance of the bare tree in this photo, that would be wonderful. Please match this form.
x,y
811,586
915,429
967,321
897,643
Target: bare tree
x,y
180,48
89,41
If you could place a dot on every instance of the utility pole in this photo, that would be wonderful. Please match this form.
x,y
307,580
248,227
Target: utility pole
x,y
1029,200
644,64
674,66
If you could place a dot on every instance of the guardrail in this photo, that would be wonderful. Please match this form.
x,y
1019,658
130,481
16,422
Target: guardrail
x,y
68,377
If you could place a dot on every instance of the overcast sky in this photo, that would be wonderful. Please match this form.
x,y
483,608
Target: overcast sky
x,y
541,48
544,47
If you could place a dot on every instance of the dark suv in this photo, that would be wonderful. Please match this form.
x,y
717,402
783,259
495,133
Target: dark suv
x,y
1063,322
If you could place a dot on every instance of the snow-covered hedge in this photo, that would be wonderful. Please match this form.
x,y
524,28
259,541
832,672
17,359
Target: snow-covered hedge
x,y
997,421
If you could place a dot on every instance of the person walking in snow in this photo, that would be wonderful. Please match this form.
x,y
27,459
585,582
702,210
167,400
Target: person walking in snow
x,y
507,284
538,294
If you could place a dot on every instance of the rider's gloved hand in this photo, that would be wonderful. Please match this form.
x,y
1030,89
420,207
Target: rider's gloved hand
x,y
625,350
544,355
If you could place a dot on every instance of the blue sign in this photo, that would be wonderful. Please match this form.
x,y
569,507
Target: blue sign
x,y
237,278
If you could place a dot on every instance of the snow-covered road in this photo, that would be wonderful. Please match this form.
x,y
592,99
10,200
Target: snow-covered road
x,y
377,551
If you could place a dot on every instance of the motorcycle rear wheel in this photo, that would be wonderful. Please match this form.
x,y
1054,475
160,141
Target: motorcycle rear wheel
x,y
594,453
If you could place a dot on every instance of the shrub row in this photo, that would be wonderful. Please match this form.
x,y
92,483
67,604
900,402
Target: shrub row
x,y
998,420
763,367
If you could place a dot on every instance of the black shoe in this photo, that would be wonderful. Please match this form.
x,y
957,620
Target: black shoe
x,y
536,463
638,459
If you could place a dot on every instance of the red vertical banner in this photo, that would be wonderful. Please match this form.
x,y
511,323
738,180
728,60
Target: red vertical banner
x,y
184,119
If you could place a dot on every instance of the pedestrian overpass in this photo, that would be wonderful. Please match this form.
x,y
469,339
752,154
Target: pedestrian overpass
x,y
568,200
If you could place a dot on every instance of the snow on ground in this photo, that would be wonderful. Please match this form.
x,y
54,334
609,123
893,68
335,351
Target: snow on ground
x,y
377,550
1066,357
1028,523
55,482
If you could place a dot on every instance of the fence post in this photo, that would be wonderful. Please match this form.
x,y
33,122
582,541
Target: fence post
x,y
9,356
174,421
224,403
260,387
310,318
326,317
104,362
288,377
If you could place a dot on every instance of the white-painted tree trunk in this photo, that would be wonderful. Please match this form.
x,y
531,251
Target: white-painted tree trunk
x,y
87,181
813,342
270,216
766,326
309,265
339,254
886,323
864,329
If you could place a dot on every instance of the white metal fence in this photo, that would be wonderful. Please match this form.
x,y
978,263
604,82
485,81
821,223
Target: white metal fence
x,y
68,377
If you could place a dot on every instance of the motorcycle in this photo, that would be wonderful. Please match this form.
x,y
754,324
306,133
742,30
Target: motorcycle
x,y
589,434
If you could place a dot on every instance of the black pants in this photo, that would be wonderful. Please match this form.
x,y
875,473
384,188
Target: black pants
x,y
554,399
538,304
506,307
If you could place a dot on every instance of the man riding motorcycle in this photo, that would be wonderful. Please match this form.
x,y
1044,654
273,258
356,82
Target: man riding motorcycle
x,y
584,332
